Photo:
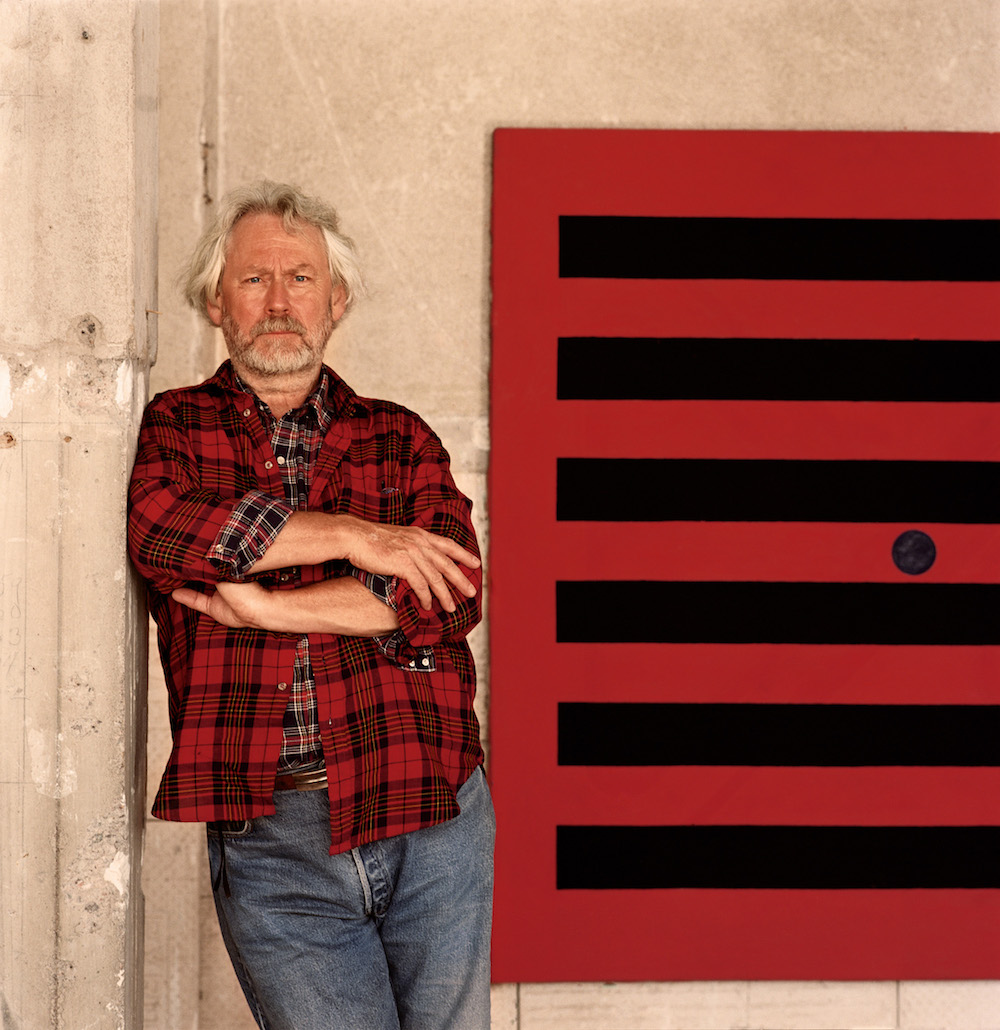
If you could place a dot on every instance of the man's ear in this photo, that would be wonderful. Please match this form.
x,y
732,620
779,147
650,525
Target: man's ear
x,y
338,302
213,308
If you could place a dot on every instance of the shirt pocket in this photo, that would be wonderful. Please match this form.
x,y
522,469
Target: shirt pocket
x,y
373,493
391,500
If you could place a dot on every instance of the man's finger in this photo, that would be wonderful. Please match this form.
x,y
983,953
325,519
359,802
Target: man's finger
x,y
426,581
439,585
191,599
440,576
419,583
459,580
455,551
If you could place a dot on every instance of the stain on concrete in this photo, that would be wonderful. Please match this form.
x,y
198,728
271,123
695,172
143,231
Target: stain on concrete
x,y
96,884
10,1021
82,375
23,373
88,330
19,377
82,694
90,385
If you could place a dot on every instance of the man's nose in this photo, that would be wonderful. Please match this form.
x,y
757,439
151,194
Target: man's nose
x,y
277,297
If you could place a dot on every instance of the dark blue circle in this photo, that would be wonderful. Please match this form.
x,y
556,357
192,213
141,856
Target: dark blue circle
x,y
913,552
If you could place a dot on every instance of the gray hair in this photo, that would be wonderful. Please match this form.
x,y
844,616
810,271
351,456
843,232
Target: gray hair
x,y
204,272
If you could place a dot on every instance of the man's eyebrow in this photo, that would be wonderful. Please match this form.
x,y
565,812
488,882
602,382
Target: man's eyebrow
x,y
304,266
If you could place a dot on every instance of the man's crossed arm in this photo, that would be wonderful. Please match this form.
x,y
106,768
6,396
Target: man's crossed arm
x,y
429,563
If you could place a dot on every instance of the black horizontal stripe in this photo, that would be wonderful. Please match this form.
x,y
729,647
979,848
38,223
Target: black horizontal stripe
x,y
902,250
686,368
777,857
630,734
652,611
766,490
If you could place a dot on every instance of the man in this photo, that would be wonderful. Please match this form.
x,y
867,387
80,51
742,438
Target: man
x,y
313,573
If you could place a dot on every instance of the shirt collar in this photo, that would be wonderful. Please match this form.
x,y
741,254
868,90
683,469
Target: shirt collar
x,y
332,398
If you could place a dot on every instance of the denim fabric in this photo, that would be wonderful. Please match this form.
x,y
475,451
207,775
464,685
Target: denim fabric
x,y
394,934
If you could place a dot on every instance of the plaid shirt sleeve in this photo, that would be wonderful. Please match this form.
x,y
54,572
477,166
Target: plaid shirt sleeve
x,y
384,588
248,533
432,501
175,516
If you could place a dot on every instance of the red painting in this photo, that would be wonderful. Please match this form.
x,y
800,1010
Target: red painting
x,y
744,555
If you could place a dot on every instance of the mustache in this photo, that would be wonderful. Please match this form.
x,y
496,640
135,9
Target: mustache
x,y
277,325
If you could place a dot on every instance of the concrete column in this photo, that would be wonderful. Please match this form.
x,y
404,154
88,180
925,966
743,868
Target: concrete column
x,y
175,865
77,335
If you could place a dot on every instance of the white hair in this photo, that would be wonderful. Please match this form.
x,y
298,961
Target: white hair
x,y
204,272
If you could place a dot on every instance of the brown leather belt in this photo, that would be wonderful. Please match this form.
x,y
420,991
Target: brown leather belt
x,y
310,779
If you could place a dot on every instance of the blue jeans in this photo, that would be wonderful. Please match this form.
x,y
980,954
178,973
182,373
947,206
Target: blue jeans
x,y
394,934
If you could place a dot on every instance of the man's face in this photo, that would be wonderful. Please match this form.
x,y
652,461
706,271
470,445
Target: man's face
x,y
277,304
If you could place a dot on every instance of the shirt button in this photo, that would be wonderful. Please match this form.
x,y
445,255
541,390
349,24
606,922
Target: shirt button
x,y
284,577
246,412
269,464
281,461
282,686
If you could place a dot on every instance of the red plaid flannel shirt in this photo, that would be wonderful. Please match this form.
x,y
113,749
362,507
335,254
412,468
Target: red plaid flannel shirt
x,y
399,732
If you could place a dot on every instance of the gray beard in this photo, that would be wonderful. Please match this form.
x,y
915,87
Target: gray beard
x,y
277,362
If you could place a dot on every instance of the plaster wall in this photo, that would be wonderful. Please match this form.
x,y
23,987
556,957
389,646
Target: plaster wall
x,y
77,260
387,109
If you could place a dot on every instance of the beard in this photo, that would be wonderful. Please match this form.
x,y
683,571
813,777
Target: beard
x,y
280,358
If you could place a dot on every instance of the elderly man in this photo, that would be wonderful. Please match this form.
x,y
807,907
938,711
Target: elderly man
x,y
313,573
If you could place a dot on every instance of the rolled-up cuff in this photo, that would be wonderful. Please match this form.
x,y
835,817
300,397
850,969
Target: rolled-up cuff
x,y
247,534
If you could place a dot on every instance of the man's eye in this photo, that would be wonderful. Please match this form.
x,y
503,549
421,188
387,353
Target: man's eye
x,y
253,279
302,278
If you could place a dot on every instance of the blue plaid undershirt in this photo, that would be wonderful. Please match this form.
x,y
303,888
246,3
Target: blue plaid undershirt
x,y
295,438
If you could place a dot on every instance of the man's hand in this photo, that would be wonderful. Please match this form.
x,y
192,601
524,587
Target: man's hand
x,y
429,563
238,605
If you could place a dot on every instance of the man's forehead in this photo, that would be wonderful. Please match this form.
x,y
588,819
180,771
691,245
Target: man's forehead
x,y
257,236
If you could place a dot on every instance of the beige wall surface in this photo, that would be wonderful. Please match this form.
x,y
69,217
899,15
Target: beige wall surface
x,y
386,107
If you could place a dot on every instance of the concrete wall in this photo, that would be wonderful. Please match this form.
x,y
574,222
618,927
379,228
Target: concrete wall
x,y
386,107
77,332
